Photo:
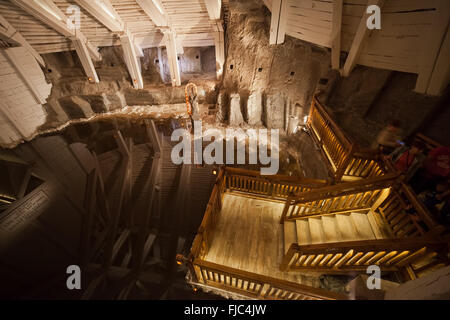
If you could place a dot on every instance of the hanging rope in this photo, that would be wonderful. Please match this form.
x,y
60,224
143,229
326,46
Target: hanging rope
x,y
193,91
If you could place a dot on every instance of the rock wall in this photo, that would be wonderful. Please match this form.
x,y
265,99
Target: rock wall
x,y
369,99
270,79
73,97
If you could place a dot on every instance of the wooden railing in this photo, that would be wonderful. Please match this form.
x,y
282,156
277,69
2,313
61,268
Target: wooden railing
x,y
389,255
248,284
202,241
365,165
406,215
273,187
343,157
257,286
253,285
250,182
350,196
334,144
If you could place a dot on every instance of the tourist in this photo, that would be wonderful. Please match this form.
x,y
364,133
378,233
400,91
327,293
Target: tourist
x,y
408,160
389,138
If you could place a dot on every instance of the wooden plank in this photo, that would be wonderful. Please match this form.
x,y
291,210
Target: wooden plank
x,y
51,15
290,234
316,229
336,34
432,47
172,56
330,231
131,60
13,57
440,77
85,59
214,8
9,33
219,43
346,228
155,11
361,35
278,21
363,226
106,14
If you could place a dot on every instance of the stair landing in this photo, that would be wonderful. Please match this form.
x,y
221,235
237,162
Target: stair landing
x,y
249,237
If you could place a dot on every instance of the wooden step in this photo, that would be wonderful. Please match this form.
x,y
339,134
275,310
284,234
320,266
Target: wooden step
x,y
331,232
346,227
363,226
316,230
303,232
290,234
379,226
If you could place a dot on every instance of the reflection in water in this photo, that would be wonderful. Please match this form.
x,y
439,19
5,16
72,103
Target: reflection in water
x,y
114,203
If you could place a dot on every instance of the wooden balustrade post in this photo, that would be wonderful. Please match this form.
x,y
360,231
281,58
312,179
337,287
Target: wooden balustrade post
x,y
285,263
344,164
189,262
262,293
285,209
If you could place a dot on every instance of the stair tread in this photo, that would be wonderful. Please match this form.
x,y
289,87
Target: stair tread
x,y
379,227
363,227
316,229
346,227
290,234
303,232
331,232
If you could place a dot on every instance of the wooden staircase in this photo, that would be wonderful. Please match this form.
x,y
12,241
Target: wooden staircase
x,y
343,227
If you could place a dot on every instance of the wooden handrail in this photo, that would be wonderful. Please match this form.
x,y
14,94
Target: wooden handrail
x,y
380,182
421,210
389,254
356,195
265,282
345,158
275,178
337,130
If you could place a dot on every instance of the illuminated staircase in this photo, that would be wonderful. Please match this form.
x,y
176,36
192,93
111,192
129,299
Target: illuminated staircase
x,y
355,226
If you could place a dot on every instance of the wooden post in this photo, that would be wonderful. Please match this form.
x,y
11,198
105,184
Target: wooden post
x,y
285,263
287,205
336,34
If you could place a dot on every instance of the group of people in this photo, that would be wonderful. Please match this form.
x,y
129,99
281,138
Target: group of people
x,y
428,173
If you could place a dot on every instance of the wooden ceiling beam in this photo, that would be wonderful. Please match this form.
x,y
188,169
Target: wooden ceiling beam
x,y
440,77
47,12
107,15
336,34
131,60
358,41
433,68
214,8
155,11
219,44
10,34
172,55
278,21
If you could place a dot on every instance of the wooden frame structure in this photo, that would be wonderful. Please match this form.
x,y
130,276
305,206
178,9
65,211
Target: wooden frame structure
x,y
245,284
345,160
